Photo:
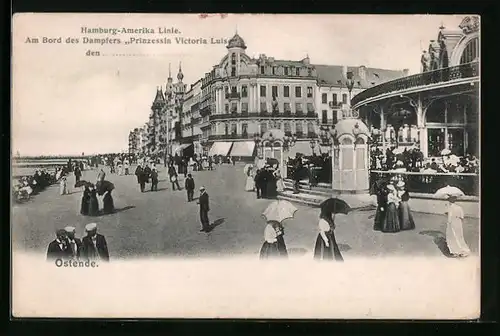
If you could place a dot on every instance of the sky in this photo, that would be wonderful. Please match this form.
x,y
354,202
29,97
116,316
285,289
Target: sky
x,y
66,103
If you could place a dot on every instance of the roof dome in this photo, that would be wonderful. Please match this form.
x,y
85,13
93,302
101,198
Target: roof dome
x,y
346,126
236,42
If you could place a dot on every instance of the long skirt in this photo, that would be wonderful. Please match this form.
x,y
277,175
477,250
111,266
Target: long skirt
x,y
282,246
269,251
379,217
84,208
321,252
250,184
455,238
108,204
63,190
391,222
405,217
93,207
280,185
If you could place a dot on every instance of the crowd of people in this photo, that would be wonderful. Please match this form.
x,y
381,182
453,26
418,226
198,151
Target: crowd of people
x,y
412,160
264,178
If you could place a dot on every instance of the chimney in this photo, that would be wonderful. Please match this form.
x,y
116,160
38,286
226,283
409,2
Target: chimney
x,y
406,72
362,72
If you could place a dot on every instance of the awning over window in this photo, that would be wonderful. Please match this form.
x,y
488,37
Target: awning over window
x,y
243,148
303,147
180,148
220,148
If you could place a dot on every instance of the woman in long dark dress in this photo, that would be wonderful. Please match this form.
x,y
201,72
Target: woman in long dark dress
x,y
280,232
391,221
94,203
381,212
405,217
270,248
326,247
84,208
105,188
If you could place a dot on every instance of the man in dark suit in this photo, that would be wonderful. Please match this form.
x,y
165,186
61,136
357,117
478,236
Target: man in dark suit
x,y
94,244
74,244
189,185
58,248
204,209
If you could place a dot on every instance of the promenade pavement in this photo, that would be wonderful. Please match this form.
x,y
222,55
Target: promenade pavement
x,y
163,223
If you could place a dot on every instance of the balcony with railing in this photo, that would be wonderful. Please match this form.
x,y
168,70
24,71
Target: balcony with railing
x,y
234,136
311,115
233,95
463,71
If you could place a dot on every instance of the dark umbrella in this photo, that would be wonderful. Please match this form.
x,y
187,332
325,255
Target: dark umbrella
x,y
103,186
335,205
83,183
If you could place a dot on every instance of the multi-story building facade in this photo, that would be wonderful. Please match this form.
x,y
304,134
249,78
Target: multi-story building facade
x,y
244,97
133,141
189,121
337,84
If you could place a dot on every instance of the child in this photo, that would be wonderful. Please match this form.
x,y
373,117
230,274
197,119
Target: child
x,y
63,186
454,230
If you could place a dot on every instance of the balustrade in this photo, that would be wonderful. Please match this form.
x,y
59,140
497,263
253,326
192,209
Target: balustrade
x,y
467,70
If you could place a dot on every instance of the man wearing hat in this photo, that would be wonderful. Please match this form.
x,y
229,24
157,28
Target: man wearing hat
x,y
94,244
58,248
74,244
204,209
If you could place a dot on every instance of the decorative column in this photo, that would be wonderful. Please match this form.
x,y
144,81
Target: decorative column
x,y
383,125
446,142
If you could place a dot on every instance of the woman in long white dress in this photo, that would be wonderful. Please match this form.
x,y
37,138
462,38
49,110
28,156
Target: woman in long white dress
x,y
250,183
280,185
454,230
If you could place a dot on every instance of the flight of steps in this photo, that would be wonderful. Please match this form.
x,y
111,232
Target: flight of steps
x,y
313,196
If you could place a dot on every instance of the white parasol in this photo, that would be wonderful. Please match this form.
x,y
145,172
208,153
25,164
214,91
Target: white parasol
x,y
449,191
445,152
398,150
279,211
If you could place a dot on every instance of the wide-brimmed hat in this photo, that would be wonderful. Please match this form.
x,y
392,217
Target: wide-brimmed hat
x,y
400,184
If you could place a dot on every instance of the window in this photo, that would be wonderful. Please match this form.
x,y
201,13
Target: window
x,y
298,92
310,107
233,89
244,129
309,92
233,72
297,71
263,107
298,107
226,89
262,70
344,98
233,58
286,91
244,107
324,98
244,91
309,72
324,117
263,128
277,125
471,51
287,128
233,129
227,108
335,118
286,71
334,99
298,128
274,91
310,128
234,107
274,70
262,90
226,128
287,107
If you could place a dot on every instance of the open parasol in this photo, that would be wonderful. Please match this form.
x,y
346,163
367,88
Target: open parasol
x,y
398,150
449,191
335,205
279,211
83,183
104,186
445,152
